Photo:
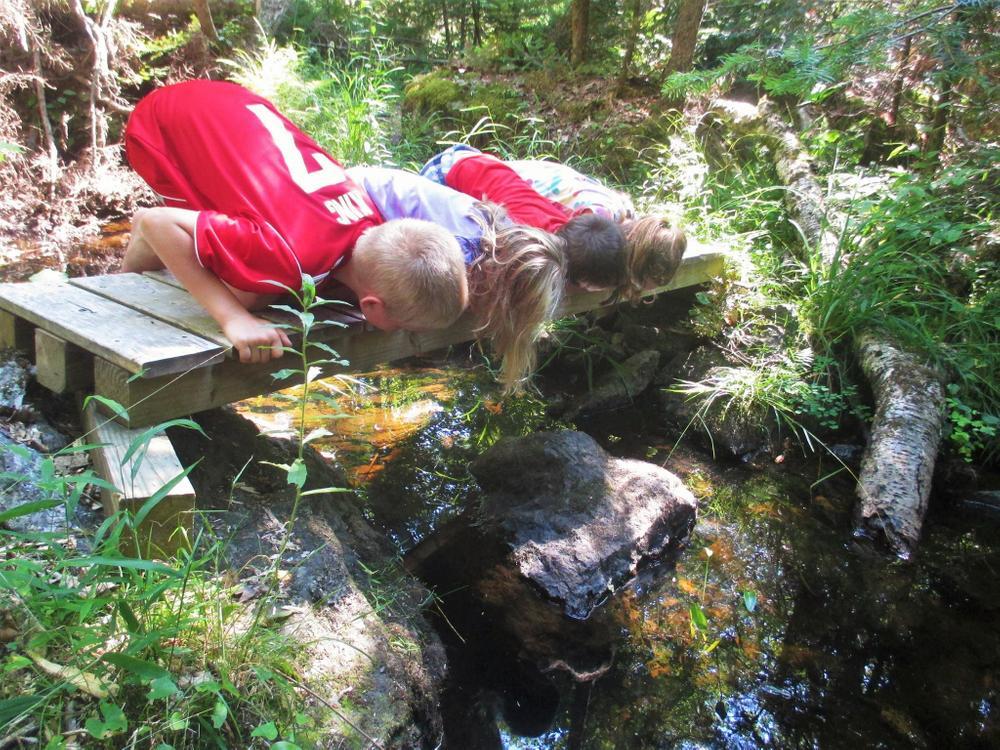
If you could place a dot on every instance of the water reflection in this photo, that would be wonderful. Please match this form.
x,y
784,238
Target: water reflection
x,y
803,638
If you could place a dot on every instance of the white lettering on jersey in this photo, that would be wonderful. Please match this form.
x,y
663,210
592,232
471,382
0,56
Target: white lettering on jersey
x,y
329,173
349,207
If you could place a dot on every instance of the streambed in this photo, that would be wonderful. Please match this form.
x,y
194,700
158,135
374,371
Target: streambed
x,y
775,628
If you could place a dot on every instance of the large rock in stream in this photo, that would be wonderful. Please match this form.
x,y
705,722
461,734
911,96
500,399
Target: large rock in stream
x,y
580,522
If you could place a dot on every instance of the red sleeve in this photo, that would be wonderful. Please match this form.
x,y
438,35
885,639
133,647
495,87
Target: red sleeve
x,y
486,177
245,252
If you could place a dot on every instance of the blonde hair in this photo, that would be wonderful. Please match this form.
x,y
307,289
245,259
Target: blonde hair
x,y
653,251
417,269
516,285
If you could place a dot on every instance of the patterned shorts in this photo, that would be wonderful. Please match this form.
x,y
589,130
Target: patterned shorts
x,y
438,167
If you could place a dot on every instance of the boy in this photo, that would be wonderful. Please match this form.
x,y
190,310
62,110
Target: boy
x,y
252,203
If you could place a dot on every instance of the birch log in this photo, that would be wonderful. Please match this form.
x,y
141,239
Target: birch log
x,y
895,479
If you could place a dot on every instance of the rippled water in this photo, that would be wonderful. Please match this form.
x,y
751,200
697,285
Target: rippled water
x,y
807,639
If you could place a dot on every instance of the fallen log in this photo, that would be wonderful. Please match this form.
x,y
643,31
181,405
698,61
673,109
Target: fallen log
x,y
894,482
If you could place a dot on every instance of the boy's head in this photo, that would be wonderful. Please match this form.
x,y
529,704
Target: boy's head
x,y
595,252
654,251
414,275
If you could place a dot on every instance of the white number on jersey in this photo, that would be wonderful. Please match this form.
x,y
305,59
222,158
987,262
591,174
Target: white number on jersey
x,y
328,173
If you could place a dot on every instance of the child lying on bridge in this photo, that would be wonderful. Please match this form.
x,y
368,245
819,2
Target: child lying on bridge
x,y
252,203
516,273
649,257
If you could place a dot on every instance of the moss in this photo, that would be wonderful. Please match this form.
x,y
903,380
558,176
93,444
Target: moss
x,y
433,93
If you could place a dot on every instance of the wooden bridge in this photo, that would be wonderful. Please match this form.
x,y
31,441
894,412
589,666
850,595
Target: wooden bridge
x,y
143,342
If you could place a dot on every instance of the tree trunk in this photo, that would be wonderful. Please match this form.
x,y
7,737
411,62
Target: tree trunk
x,y
477,25
895,472
204,13
447,26
895,481
635,8
579,23
685,36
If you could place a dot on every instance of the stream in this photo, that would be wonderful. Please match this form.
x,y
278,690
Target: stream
x,y
775,628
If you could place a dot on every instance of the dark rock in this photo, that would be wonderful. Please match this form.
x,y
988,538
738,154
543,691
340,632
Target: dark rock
x,y
580,522
618,387
720,426
669,342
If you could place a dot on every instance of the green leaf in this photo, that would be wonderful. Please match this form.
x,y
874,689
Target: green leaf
x,y
117,562
113,723
113,406
176,722
144,670
268,731
698,618
285,373
25,509
750,600
162,687
127,614
283,745
297,473
220,712
161,493
144,438
11,708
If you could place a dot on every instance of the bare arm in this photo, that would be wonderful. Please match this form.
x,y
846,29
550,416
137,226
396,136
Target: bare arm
x,y
164,237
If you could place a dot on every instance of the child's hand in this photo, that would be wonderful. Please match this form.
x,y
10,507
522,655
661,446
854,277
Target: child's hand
x,y
254,339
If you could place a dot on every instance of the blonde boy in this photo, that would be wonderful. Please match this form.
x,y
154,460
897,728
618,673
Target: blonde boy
x,y
252,203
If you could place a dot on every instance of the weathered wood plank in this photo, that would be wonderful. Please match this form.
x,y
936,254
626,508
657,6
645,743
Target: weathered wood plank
x,y
339,313
167,526
117,333
60,366
150,400
162,301
16,333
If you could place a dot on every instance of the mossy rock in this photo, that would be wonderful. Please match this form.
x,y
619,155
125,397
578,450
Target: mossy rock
x,y
433,93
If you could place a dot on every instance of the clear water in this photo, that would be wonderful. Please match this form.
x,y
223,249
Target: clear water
x,y
809,639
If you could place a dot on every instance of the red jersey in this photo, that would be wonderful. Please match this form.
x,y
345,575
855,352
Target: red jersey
x,y
485,177
272,204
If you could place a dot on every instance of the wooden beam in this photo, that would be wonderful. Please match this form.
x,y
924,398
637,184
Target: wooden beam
x,y
61,366
152,400
167,527
16,333
121,335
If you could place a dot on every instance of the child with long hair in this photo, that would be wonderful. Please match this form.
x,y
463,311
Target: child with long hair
x,y
649,257
516,273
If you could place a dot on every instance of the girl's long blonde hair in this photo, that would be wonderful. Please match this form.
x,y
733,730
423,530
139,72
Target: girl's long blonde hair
x,y
515,286
653,251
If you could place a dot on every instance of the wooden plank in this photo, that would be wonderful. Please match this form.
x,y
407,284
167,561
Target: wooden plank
x,y
60,366
164,302
167,527
346,314
151,400
16,333
114,332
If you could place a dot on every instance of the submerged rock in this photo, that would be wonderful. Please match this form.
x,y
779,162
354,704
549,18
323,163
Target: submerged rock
x,y
620,386
580,522
22,467
723,427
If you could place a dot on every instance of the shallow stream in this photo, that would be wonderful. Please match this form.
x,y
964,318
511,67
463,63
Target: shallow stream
x,y
808,638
